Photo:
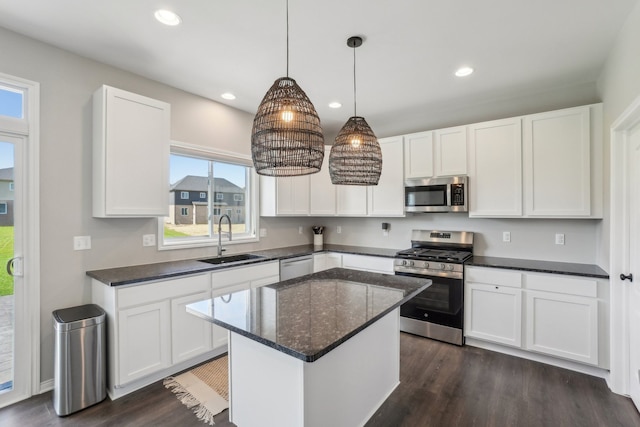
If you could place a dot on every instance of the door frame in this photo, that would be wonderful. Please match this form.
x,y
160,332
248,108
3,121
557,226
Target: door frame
x,y
619,247
29,128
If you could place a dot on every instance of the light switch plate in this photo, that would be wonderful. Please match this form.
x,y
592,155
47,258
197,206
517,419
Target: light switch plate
x,y
338,229
81,243
506,236
560,239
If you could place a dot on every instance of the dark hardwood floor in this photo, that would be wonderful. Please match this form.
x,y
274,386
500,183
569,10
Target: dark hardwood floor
x,y
441,385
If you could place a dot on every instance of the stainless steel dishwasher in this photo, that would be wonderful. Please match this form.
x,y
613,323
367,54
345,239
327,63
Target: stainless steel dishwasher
x,y
294,267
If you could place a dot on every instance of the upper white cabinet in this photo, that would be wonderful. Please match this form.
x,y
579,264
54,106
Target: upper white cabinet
x,y
450,146
441,152
387,198
315,195
418,155
557,163
130,155
322,194
546,165
495,168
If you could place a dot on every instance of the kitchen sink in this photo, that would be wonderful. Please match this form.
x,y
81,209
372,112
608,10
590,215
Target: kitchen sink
x,y
231,258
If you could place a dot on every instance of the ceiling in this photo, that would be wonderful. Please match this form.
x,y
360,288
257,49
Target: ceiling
x,y
404,68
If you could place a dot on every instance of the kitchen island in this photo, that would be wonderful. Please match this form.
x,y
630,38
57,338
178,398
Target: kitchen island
x,y
321,349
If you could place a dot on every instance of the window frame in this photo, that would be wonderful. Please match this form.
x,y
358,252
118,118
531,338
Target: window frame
x,y
219,196
4,211
251,205
182,197
238,197
184,209
203,195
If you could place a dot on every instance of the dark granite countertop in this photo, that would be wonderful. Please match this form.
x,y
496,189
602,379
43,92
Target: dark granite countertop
x,y
566,268
163,270
309,316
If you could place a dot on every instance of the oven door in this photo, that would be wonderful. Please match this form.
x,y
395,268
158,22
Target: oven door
x,y
440,303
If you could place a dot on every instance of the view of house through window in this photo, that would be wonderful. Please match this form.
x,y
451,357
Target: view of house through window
x,y
201,191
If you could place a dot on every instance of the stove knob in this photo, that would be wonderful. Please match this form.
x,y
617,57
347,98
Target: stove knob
x,y
410,263
426,265
442,266
450,267
403,262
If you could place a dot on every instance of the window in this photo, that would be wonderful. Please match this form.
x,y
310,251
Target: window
x,y
11,102
184,195
3,208
214,173
184,211
11,186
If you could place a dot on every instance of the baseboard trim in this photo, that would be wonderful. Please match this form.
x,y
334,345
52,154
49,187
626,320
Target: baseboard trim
x,y
549,360
46,386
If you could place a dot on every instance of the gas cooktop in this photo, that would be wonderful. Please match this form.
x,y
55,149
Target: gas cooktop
x,y
428,254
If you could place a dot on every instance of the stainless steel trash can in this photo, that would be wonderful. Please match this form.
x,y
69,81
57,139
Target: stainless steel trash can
x,y
80,358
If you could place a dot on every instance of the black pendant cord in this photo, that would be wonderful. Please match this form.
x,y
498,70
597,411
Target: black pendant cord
x,y
354,81
287,38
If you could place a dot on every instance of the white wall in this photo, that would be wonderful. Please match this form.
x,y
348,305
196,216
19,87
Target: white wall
x,y
67,83
618,86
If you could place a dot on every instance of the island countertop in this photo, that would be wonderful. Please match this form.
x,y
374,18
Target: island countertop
x,y
308,316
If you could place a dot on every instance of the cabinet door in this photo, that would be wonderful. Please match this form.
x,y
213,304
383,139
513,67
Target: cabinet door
x,y
495,169
387,198
322,193
563,325
557,161
190,335
368,263
292,195
493,313
326,261
418,155
220,334
450,151
131,135
144,338
351,200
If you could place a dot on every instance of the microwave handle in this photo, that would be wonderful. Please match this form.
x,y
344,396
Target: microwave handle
x,y
449,195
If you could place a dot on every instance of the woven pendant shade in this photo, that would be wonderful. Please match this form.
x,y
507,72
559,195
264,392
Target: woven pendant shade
x,y
286,139
356,158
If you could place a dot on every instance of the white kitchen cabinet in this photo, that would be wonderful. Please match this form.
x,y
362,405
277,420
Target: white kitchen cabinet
x,y
190,336
149,333
493,305
565,317
557,163
236,279
284,196
450,151
130,155
387,198
562,317
351,200
326,260
374,264
494,313
144,340
495,168
322,193
418,155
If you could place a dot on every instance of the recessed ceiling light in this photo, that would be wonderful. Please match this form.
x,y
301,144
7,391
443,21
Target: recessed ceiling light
x,y
228,95
167,17
464,71
335,105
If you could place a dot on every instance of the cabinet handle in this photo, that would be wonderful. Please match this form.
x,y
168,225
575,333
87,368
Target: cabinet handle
x,y
497,287
627,277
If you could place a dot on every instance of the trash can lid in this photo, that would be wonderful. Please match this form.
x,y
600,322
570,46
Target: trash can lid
x,y
77,317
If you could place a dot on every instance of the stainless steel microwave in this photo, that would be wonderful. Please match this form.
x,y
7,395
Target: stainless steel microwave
x,y
446,194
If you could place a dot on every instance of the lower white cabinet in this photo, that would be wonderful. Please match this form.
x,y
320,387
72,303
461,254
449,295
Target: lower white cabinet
x,y
494,313
374,264
556,315
326,260
190,336
144,340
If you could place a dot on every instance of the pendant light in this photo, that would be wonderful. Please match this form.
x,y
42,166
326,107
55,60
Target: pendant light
x,y
355,158
286,139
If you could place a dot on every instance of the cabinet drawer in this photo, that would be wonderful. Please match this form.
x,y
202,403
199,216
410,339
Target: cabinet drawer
x,y
368,263
156,291
263,273
493,276
562,285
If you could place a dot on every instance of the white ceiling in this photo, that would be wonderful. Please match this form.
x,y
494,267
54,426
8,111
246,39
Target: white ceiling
x,y
411,48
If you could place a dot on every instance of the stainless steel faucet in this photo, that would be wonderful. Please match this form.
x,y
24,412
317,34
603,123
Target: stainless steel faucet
x,y
220,250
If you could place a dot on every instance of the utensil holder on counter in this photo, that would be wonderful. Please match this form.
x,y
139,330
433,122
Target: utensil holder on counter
x,y
317,240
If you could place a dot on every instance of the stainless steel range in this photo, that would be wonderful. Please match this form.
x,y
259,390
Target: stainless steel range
x,y
436,312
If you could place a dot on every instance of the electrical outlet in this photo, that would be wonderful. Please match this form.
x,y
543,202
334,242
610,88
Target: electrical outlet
x,y
338,229
149,240
506,236
81,243
559,238
263,232
300,230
